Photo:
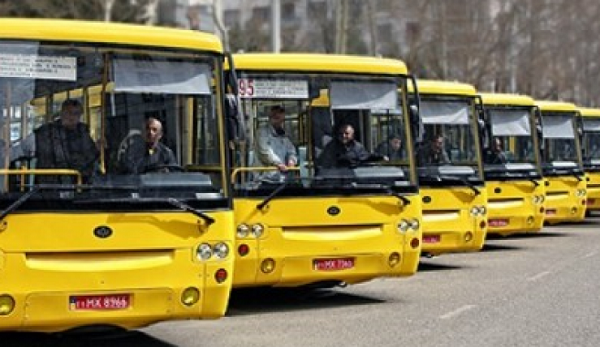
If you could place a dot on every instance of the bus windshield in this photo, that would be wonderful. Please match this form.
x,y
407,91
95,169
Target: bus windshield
x,y
450,148
591,143
560,144
511,149
345,134
110,124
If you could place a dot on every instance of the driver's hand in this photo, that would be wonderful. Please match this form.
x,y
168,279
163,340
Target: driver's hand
x,y
282,167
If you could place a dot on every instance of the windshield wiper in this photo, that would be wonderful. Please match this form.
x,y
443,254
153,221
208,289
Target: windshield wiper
x,y
387,188
402,198
464,181
18,203
185,207
271,196
535,182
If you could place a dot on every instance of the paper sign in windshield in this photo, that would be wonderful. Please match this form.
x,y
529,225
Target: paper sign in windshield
x,y
273,88
39,67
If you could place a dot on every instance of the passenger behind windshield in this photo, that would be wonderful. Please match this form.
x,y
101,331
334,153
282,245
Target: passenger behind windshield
x,y
392,148
62,144
495,155
434,153
150,155
344,151
274,147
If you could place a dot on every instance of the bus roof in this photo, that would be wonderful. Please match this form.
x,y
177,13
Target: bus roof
x,y
102,32
555,106
506,99
445,88
316,62
590,112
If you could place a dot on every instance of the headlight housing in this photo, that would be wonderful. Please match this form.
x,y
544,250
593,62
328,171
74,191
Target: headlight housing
x,y
258,230
414,224
221,250
204,251
403,225
242,231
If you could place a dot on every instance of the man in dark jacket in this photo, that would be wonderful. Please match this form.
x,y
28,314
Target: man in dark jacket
x,y
151,155
496,155
62,144
392,148
435,153
344,151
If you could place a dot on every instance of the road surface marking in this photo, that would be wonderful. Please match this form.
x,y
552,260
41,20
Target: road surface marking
x,y
591,254
458,311
538,276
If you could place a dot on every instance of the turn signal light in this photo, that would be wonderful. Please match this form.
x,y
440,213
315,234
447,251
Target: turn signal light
x,y
394,259
190,296
7,304
267,265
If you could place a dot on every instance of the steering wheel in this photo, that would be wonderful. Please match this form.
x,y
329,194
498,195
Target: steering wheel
x,y
164,168
128,140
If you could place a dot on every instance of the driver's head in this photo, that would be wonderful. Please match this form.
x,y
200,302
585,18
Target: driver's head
x,y
395,142
153,131
437,143
346,133
277,116
70,113
497,145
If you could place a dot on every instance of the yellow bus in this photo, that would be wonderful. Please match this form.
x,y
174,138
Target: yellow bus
x,y
450,169
590,146
324,224
84,242
562,165
513,171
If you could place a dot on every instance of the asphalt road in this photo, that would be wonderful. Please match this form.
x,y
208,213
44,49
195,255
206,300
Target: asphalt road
x,y
538,290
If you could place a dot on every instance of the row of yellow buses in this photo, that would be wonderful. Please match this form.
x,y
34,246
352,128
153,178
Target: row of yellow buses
x,y
95,242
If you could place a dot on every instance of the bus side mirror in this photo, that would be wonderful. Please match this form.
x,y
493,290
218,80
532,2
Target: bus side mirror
x,y
233,119
415,121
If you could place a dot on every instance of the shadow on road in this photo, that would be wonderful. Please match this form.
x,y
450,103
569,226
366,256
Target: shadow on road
x,y
425,265
500,247
586,223
545,233
257,300
112,338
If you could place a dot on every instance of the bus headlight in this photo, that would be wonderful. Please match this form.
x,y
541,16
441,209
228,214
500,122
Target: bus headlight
x,y
403,226
204,251
414,224
257,230
478,211
221,250
242,231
